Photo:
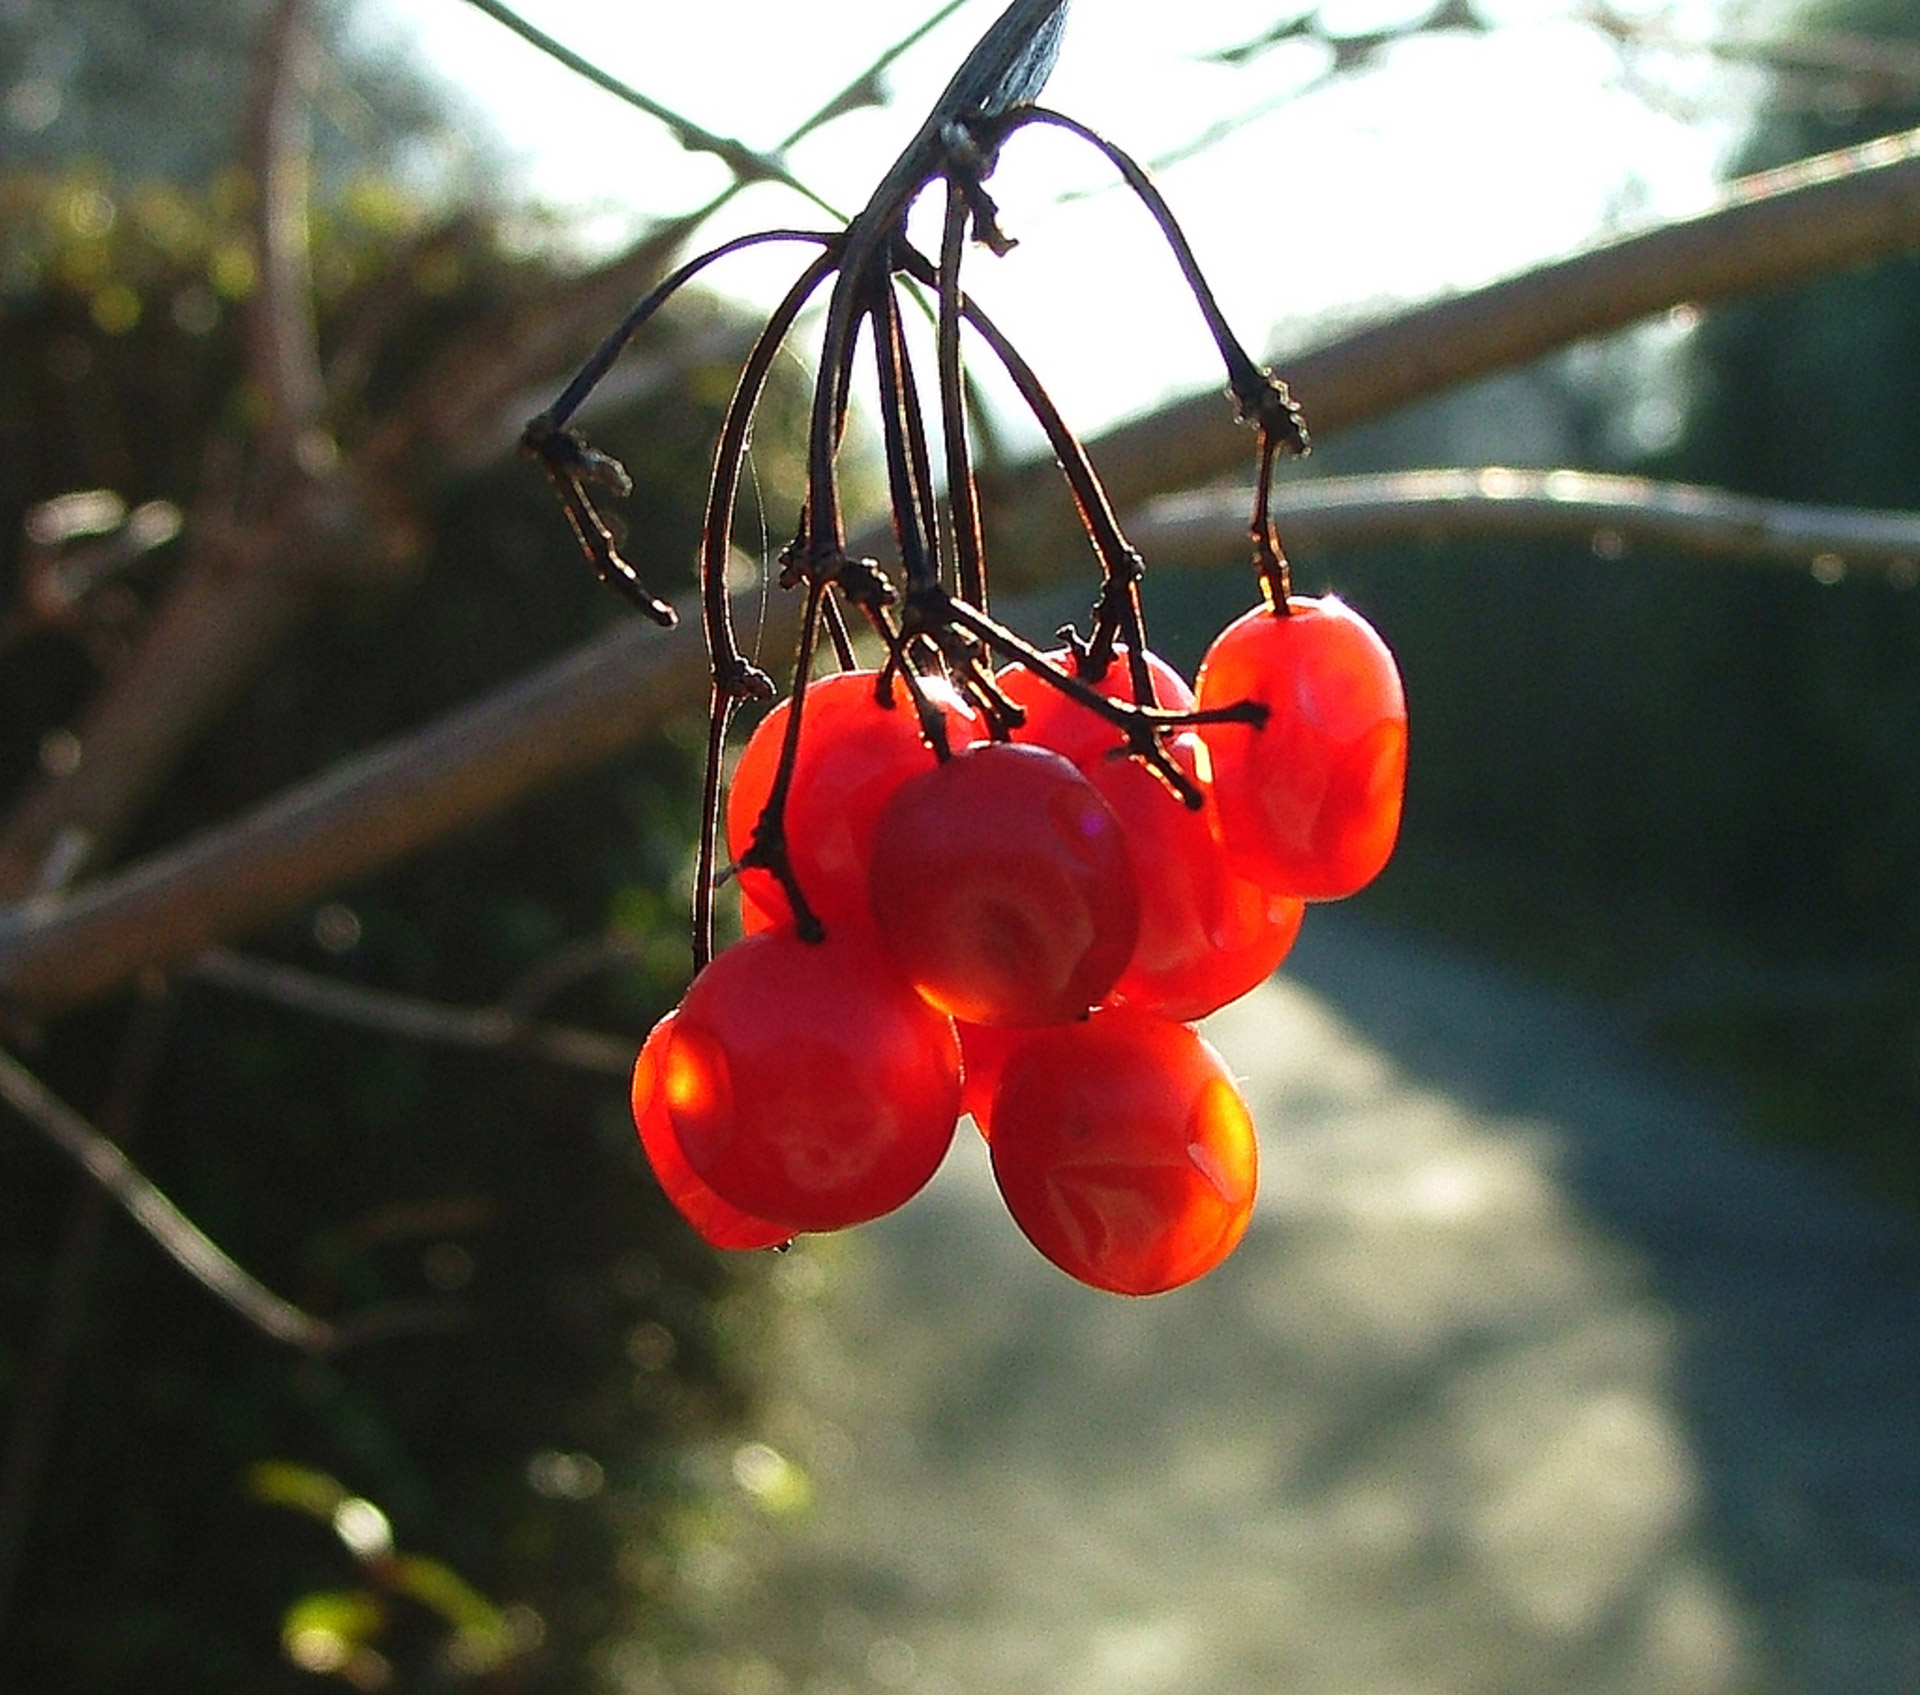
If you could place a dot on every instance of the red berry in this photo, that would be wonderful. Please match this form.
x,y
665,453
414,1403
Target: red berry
x,y
717,1222
1002,887
1124,1151
1207,934
853,754
1309,804
1076,732
808,1083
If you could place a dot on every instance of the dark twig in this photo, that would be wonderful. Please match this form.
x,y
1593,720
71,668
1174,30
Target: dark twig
x,y
746,165
963,497
191,1249
36,1408
484,1029
171,1230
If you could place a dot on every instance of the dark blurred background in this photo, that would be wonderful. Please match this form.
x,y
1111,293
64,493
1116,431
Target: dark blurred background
x,y
558,1350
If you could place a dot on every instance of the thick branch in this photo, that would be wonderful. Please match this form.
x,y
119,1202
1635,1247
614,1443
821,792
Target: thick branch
x,y
361,817
1825,214
283,341
1613,513
1829,213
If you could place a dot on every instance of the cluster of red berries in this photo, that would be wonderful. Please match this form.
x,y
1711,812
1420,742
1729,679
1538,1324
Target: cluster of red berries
x,y
1024,930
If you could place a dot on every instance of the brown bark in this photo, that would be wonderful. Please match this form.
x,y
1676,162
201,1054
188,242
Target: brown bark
x,y
1826,214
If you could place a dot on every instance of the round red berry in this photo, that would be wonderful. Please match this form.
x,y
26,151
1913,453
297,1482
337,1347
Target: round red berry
x,y
1002,886
1309,803
808,1083
1124,1151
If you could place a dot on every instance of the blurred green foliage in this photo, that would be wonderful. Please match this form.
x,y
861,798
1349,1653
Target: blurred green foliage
x,y
526,1443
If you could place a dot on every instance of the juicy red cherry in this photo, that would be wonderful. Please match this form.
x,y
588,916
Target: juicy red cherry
x,y
808,1083
1308,805
1207,934
717,1222
853,754
1003,888
1076,732
1124,1151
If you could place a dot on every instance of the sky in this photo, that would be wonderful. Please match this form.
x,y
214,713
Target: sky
x,y
1455,159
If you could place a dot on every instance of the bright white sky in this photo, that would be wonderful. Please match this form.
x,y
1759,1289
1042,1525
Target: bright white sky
x,y
1456,160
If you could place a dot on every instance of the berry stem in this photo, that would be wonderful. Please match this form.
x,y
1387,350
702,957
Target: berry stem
x,y
732,673
720,709
903,431
963,496
1117,557
768,849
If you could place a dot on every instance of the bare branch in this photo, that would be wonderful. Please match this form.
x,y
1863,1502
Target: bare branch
x,y
283,340
470,408
248,578
1881,67
1829,213
746,165
1825,214
369,812
254,569
176,1234
1612,512
487,1029
35,1414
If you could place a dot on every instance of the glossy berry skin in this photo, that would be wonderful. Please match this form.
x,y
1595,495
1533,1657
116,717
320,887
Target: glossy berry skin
x,y
1056,720
716,1222
1309,804
1124,1151
1207,934
853,754
1003,888
807,1083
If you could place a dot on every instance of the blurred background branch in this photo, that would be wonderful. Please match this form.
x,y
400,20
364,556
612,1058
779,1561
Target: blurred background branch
x,y
1835,211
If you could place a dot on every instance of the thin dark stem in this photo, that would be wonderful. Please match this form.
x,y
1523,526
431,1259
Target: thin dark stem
x,y
1141,724
1263,399
573,467
909,475
1248,379
602,359
1010,64
963,495
1270,560
838,635
1118,559
768,850
731,672
720,709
